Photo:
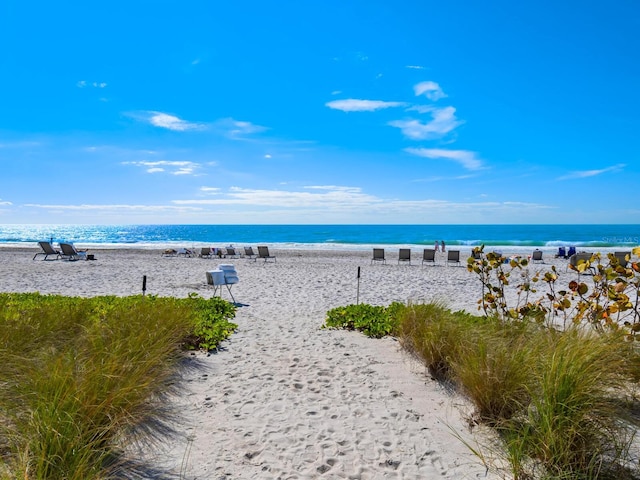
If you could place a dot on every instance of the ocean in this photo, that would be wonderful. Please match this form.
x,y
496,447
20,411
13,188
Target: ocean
x,y
344,237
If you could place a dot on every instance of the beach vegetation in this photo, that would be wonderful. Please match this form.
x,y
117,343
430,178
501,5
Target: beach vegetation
x,y
605,294
86,379
562,403
373,320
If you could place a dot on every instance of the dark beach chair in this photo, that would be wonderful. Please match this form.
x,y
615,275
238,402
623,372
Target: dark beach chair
x,y
453,256
70,252
429,256
47,249
263,252
536,256
404,255
378,255
578,258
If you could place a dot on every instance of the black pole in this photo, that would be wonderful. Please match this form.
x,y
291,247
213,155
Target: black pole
x,y
144,284
358,290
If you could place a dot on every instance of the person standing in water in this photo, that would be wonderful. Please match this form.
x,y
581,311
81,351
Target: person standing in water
x,y
442,243
437,246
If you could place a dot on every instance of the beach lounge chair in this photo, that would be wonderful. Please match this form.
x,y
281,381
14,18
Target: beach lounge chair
x,y
623,258
453,256
404,255
378,255
429,256
536,256
249,253
70,252
205,252
578,258
47,249
231,253
185,252
562,252
263,252
571,251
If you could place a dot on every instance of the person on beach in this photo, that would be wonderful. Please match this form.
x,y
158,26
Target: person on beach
x,y
442,243
437,246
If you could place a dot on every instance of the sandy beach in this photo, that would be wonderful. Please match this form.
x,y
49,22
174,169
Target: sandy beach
x,y
283,398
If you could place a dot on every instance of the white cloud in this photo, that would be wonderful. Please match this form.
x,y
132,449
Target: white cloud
x,y
181,167
237,128
415,67
356,105
592,173
466,158
84,83
171,122
444,121
336,92
139,208
330,204
320,196
5,203
267,156
429,89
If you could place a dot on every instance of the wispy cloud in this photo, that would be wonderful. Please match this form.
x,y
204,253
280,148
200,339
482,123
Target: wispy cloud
x,y
326,203
84,83
311,196
444,120
238,129
357,105
210,190
466,158
592,173
415,67
181,167
429,89
136,208
5,203
170,122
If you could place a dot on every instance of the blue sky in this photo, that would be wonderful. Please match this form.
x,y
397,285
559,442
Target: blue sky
x,y
319,112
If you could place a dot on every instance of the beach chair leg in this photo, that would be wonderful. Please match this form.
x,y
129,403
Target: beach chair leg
x,y
229,289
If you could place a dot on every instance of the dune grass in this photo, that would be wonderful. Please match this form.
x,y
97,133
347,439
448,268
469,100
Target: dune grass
x,y
561,402
83,378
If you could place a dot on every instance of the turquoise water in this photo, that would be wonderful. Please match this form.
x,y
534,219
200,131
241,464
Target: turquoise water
x,y
328,236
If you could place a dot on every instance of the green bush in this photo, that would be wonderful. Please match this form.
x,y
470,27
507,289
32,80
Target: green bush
x,y
373,321
212,322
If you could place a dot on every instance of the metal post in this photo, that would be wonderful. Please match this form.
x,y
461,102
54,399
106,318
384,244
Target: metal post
x,y
144,284
358,290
